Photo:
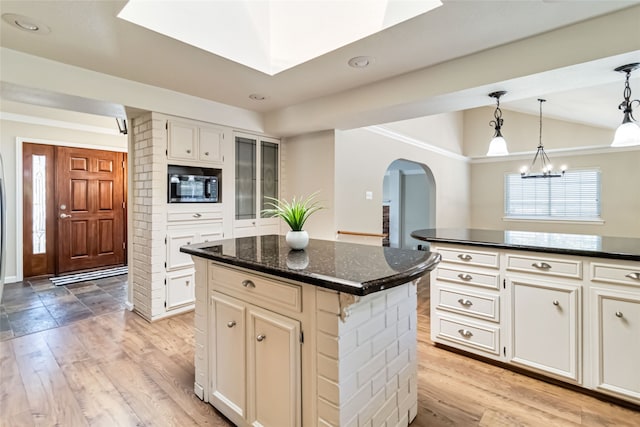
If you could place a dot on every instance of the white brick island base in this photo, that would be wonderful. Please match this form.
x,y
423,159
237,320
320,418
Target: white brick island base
x,y
336,359
366,363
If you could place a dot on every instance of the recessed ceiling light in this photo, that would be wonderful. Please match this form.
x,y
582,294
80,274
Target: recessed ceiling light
x,y
25,23
257,97
360,61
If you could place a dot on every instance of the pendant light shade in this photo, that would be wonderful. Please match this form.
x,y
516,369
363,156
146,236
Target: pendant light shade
x,y
498,145
628,133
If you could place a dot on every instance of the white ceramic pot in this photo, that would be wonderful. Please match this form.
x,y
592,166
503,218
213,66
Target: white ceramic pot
x,y
297,240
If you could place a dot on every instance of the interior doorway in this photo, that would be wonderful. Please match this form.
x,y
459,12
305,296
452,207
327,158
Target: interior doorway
x,y
74,211
409,202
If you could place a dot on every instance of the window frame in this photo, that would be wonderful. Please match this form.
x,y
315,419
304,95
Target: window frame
x,y
549,218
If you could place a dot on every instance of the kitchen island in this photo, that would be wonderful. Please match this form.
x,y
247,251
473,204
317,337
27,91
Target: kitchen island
x,y
320,337
566,306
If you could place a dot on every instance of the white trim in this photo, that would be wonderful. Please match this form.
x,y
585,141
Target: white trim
x,y
380,130
547,220
527,155
19,189
33,120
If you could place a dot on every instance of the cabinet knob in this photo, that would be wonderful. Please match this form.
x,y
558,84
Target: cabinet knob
x,y
465,257
261,338
248,284
541,265
466,277
188,243
465,302
197,215
556,302
465,333
231,324
188,151
206,153
619,314
634,276
187,283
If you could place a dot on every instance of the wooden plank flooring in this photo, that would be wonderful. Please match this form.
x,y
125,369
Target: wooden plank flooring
x,y
118,370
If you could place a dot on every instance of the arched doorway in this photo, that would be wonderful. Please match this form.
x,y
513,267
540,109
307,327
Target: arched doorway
x,y
408,202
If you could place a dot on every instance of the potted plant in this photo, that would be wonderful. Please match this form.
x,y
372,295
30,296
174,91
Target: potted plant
x,y
295,214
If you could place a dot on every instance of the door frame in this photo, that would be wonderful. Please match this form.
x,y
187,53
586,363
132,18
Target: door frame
x,y
19,189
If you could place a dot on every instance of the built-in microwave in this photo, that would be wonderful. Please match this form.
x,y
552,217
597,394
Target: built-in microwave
x,y
187,184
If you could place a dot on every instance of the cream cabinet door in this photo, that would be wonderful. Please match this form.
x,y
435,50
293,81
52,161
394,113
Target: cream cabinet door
x,y
228,355
545,327
175,239
182,141
274,369
617,342
210,144
180,289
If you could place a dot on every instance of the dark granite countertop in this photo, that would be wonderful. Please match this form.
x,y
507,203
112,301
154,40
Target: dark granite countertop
x,y
626,248
345,267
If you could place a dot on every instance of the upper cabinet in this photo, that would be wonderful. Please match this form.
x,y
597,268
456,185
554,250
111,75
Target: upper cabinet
x,y
195,142
257,171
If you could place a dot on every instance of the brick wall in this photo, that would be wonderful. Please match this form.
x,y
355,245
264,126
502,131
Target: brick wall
x,y
367,367
149,215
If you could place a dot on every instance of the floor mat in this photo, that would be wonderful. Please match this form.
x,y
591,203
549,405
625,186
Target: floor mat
x,y
91,275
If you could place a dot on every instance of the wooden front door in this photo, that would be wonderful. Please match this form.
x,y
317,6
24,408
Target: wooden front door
x,y
90,208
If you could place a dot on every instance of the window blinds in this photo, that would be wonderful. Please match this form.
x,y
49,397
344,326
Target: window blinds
x,y
576,195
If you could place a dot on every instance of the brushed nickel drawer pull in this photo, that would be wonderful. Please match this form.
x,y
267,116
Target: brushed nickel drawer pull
x,y
465,333
261,338
465,302
541,265
466,277
619,314
197,215
248,284
465,257
231,324
634,276
556,302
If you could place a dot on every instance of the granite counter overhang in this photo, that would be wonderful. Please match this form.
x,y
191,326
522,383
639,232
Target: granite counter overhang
x,y
623,248
345,267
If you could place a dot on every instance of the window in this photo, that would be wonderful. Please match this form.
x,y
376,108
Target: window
x,y
575,196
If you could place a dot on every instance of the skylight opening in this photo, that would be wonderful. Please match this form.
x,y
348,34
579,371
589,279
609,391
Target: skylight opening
x,y
271,36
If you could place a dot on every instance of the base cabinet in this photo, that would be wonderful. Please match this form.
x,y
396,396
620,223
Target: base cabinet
x,y
545,327
255,364
573,318
617,337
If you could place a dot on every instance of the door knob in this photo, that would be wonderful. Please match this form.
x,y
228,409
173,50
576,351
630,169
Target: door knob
x,y
64,215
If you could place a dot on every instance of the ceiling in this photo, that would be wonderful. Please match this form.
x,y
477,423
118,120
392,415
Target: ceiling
x,y
89,35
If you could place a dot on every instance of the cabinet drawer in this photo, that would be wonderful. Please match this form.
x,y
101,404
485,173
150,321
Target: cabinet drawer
x,y
620,274
483,306
470,257
545,266
195,215
467,277
256,289
484,338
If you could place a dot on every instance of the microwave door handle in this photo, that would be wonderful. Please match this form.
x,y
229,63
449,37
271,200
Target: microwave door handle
x,y
207,188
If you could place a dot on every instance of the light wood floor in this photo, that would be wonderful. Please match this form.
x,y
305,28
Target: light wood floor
x,y
117,369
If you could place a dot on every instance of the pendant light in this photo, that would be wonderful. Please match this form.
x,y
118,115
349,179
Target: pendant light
x,y
497,146
545,168
628,133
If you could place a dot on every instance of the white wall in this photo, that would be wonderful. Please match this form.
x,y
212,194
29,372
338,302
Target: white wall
x,y
362,158
308,166
620,174
11,130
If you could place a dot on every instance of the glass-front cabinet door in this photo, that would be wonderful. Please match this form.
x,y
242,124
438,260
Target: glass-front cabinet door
x,y
257,161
